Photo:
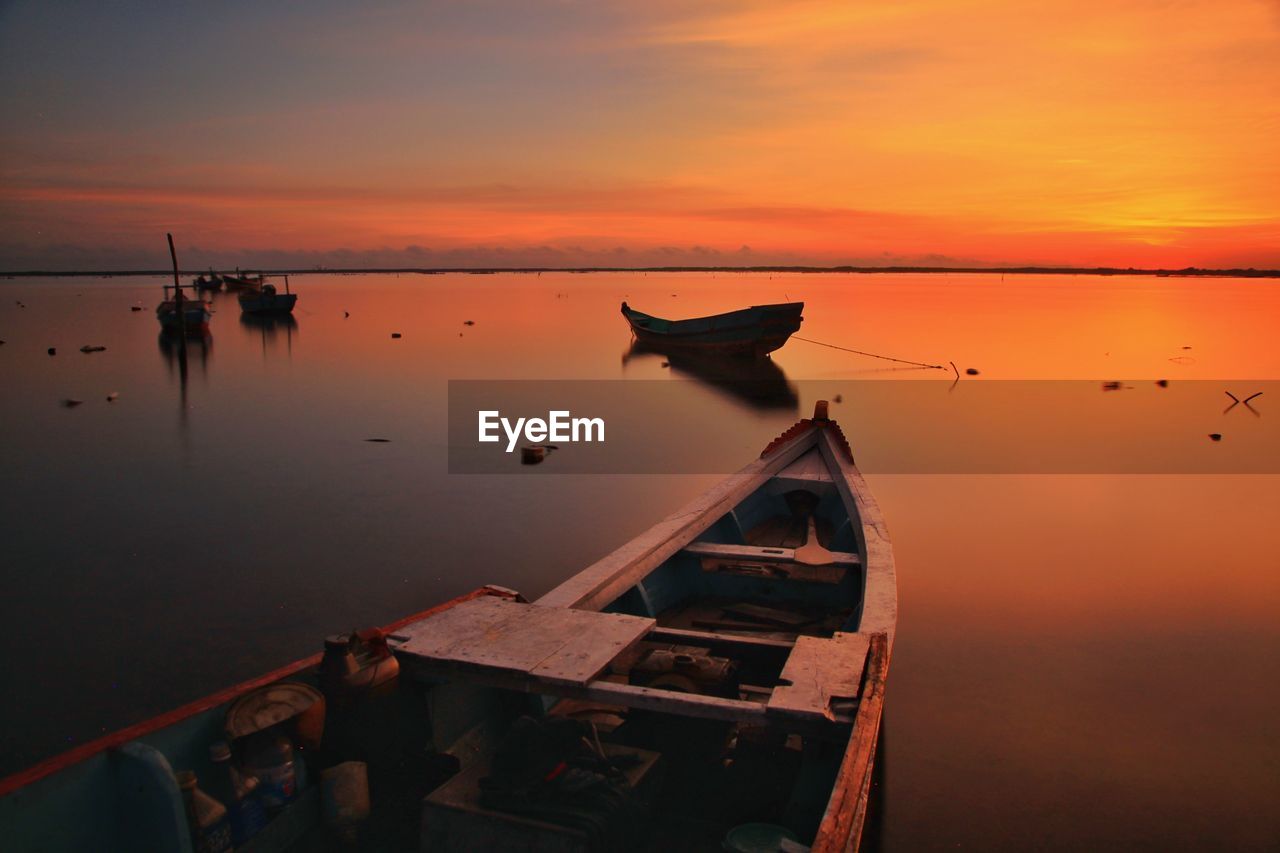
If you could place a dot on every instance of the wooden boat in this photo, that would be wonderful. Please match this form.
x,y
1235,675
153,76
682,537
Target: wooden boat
x,y
267,300
240,281
725,667
194,316
211,282
752,332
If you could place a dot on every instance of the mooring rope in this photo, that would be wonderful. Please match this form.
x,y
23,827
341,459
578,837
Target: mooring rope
x,y
868,354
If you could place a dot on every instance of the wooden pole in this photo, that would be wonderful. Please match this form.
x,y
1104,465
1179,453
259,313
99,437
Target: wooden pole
x,y
177,301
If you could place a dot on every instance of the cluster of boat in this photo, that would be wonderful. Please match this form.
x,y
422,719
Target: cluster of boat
x,y
190,315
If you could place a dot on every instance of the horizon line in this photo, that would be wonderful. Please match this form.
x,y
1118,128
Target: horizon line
x,y
1227,272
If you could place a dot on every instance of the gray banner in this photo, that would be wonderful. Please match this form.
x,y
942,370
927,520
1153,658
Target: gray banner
x,y
717,424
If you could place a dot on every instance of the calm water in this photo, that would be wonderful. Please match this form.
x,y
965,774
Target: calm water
x,y
1083,662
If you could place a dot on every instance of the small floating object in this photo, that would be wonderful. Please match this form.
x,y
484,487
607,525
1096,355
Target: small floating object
x,y
837,399
1163,383
1186,347
346,314
135,307
396,335
378,440
1215,436
532,455
53,350
113,396
1111,386
88,348
468,322
971,371
71,403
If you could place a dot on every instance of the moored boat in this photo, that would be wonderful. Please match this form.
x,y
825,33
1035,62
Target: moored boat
x,y
211,282
240,281
725,667
266,299
751,332
178,313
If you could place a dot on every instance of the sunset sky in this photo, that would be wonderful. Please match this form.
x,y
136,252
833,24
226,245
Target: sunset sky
x,y
606,133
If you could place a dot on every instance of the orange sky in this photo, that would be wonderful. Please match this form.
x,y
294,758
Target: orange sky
x,y
1141,133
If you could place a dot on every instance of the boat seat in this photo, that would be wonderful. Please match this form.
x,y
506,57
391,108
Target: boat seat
x,y
820,674
755,561
552,645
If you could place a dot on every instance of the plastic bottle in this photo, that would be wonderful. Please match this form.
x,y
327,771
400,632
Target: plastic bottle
x,y
269,756
235,791
206,817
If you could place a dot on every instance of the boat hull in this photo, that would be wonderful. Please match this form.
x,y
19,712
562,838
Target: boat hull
x,y
752,332
257,302
195,317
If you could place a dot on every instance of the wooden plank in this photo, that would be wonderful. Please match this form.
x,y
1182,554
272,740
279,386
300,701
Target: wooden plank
x,y
841,827
772,615
592,644
600,583
809,466
694,638
554,644
880,579
755,553
817,671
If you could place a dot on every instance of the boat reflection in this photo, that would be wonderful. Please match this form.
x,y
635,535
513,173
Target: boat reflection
x,y
177,352
268,328
757,383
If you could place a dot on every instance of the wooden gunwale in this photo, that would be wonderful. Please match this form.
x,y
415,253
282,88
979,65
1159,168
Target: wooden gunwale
x,y
606,579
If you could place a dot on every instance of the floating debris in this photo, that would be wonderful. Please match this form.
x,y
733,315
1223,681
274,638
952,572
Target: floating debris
x,y
88,348
1111,386
53,350
839,398
346,314
71,403
113,396
396,335
532,455
468,322
135,307
1186,347
971,371
1163,383
1215,436
379,440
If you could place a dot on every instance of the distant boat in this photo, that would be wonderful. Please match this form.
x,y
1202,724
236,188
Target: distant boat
x,y
241,281
751,332
177,312
211,282
743,642
267,300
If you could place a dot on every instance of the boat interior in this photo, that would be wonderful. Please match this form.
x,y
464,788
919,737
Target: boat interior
x,y
723,700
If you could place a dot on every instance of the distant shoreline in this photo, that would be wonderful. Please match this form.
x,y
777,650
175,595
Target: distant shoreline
x,y
1101,271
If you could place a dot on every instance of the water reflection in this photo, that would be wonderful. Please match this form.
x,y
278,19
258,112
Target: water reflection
x,y
178,352
757,383
268,328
